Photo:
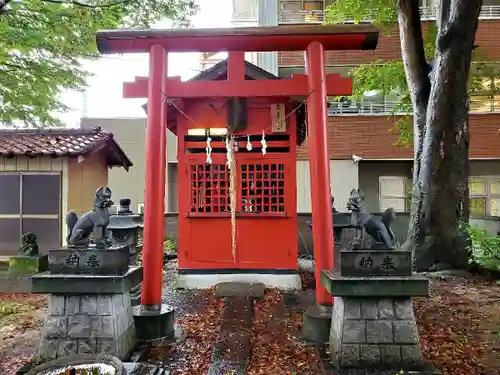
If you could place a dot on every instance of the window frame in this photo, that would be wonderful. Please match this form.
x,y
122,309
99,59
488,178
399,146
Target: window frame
x,y
488,196
407,183
21,216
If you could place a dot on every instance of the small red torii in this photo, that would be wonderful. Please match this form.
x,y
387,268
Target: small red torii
x,y
315,86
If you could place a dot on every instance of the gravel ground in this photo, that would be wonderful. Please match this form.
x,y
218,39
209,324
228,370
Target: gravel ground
x,y
183,301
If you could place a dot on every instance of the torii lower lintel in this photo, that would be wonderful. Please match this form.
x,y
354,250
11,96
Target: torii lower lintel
x,y
295,86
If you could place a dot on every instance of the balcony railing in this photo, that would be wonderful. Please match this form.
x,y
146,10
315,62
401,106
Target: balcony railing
x,y
244,17
366,108
426,13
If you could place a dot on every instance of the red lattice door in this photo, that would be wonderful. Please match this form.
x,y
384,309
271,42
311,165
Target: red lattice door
x,y
265,232
207,220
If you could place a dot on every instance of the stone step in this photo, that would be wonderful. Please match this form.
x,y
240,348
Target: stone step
x,y
234,289
383,372
232,351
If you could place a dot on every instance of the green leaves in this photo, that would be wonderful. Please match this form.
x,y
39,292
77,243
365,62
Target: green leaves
x,y
388,77
44,42
382,12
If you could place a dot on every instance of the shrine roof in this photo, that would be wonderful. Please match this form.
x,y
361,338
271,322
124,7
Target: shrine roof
x,y
256,39
219,72
58,142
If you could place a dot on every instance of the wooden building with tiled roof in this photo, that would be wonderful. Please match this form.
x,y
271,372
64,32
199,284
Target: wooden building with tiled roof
x,y
46,172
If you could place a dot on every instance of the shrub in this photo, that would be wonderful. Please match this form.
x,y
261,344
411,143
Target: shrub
x,y
484,249
170,245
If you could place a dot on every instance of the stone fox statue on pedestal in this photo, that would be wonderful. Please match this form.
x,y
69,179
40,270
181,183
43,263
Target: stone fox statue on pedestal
x,y
93,222
377,228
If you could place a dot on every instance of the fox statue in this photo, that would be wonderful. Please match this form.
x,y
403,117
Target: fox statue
x,y
93,222
378,228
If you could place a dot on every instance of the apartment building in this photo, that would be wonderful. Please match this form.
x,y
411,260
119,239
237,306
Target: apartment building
x,y
358,128
361,127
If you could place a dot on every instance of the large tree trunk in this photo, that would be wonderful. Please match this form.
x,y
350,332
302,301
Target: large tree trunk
x,y
417,76
441,194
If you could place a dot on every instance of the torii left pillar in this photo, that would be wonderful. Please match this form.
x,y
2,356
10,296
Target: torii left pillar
x,y
317,318
152,318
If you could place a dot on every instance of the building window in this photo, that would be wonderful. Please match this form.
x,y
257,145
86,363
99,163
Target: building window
x,y
302,11
484,196
486,96
31,202
395,192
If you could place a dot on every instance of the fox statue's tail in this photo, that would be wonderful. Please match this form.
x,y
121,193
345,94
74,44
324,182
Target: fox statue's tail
x,y
71,219
388,217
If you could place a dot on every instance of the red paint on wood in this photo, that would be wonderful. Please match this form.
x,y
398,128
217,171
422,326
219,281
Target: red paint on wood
x,y
319,167
154,201
256,39
295,86
266,204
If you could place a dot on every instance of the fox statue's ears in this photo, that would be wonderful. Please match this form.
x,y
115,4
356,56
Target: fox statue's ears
x,y
358,192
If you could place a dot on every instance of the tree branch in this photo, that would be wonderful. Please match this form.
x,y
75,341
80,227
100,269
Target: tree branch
x,y
77,3
413,53
460,18
443,15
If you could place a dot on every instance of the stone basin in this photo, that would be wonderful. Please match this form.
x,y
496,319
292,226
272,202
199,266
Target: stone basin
x,y
108,365
341,221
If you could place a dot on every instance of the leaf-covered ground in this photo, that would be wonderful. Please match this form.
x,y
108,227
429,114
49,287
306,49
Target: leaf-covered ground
x,y
459,331
459,326
276,349
21,316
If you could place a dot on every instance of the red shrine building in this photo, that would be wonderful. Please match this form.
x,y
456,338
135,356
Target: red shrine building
x,y
237,128
265,133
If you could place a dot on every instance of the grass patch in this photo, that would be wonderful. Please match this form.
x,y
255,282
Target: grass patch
x,y
9,308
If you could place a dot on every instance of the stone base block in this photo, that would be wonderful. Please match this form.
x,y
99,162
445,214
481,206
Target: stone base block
x,y
87,324
25,265
15,283
92,284
317,321
112,260
254,290
375,333
135,295
153,324
390,286
284,282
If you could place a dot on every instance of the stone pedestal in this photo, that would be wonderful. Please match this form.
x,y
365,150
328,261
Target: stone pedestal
x,y
154,324
113,260
373,325
373,333
26,265
317,321
87,314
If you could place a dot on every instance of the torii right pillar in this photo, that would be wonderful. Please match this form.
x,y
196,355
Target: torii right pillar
x,y
317,319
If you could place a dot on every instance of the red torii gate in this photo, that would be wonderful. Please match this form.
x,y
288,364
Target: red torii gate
x,y
316,85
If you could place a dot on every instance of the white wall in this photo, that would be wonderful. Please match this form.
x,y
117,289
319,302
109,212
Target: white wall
x,y
130,134
343,178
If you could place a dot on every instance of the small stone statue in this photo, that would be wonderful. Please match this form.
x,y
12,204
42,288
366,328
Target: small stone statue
x,y
379,229
29,245
334,210
93,223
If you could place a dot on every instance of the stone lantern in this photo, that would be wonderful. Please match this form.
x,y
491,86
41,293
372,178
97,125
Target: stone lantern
x,y
124,228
